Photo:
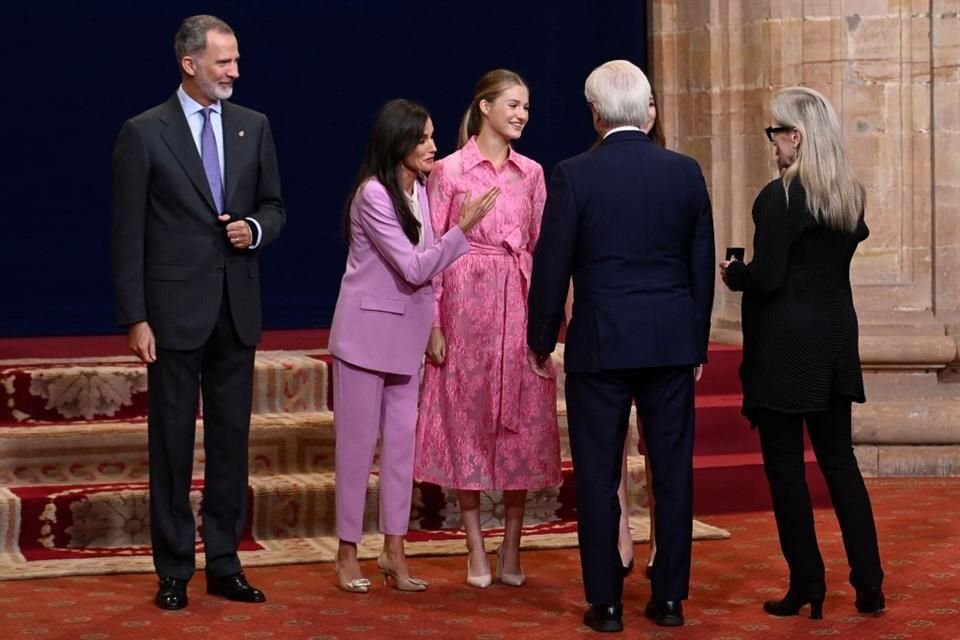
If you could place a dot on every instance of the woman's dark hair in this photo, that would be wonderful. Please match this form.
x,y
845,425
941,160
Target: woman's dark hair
x,y
656,133
397,131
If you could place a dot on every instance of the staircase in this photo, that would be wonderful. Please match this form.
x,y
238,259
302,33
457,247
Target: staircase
x,y
73,459
73,455
728,467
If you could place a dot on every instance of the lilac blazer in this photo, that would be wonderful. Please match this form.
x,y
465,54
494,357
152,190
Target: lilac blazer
x,y
385,307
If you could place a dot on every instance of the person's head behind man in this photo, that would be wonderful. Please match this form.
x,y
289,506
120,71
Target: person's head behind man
x,y
208,56
619,95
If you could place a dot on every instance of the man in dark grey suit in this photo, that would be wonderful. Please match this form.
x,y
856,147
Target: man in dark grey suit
x,y
196,195
631,223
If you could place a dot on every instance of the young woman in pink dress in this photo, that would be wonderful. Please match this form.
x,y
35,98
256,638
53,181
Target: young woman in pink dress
x,y
487,421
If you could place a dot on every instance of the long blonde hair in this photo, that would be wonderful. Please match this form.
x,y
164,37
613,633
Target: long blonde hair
x,y
491,85
834,196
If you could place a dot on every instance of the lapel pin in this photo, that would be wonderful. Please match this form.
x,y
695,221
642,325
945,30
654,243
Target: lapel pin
x,y
241,133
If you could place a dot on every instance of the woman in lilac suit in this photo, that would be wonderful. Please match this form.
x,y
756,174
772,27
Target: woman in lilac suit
x,y
380,330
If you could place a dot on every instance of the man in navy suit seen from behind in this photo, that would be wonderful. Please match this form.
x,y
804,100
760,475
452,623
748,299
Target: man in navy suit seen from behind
x,y
631,223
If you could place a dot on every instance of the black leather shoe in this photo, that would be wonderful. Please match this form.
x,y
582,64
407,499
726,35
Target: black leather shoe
x,y
234,588
605,619
172,594
666,613
870,601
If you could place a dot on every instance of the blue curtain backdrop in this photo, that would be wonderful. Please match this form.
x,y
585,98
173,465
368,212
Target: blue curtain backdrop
x,y
319,70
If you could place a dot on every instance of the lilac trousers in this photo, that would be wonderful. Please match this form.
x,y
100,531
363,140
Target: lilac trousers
x,y
368,404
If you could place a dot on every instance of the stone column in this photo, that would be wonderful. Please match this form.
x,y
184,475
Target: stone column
x,y
945,157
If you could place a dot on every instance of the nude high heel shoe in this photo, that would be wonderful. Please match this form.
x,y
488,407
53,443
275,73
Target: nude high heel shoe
x,y
480,582
402,584
357,585
510,579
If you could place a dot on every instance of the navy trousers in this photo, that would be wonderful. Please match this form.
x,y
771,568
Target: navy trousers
x,y
598,406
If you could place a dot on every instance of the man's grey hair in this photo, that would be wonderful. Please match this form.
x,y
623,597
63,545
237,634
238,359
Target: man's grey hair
x,y
191,37
620,92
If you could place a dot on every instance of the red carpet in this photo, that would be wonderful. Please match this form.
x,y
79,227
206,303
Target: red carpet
x,y
918,521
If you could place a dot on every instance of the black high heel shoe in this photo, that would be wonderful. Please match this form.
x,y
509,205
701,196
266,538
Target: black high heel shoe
x,y
791,604
870,601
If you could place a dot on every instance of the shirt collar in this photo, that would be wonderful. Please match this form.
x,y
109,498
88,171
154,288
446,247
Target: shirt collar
x,y
412,197
618,129
191,106
471,157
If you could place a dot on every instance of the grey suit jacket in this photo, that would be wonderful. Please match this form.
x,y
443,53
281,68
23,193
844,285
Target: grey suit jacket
x,y
172,263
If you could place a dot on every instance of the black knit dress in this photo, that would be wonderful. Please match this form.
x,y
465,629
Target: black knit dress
x,y
800,334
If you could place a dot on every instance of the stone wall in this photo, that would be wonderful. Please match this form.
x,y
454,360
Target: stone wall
x,y
892,70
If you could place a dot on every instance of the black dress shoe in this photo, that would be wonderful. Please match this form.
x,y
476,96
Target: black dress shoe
x,y
870,600
235,588
172,594
666,613
605,619
791,604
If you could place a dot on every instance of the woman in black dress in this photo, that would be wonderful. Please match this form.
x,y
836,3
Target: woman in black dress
x,y
801,362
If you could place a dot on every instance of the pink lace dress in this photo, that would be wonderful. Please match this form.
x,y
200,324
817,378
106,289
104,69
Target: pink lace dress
x,y
486,420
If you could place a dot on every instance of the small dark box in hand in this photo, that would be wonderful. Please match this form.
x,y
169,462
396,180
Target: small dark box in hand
x,y
735,253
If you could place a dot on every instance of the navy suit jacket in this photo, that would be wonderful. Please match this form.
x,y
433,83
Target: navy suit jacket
x,y
631,223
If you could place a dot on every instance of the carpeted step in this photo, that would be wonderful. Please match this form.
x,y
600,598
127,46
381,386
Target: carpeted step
x,y
90,390
279,443
736,483
48,392
117,451
721,428
102,519
721,375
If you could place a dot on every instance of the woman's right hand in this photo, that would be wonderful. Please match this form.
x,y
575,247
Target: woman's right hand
x,y
724,265
473,211
436,346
